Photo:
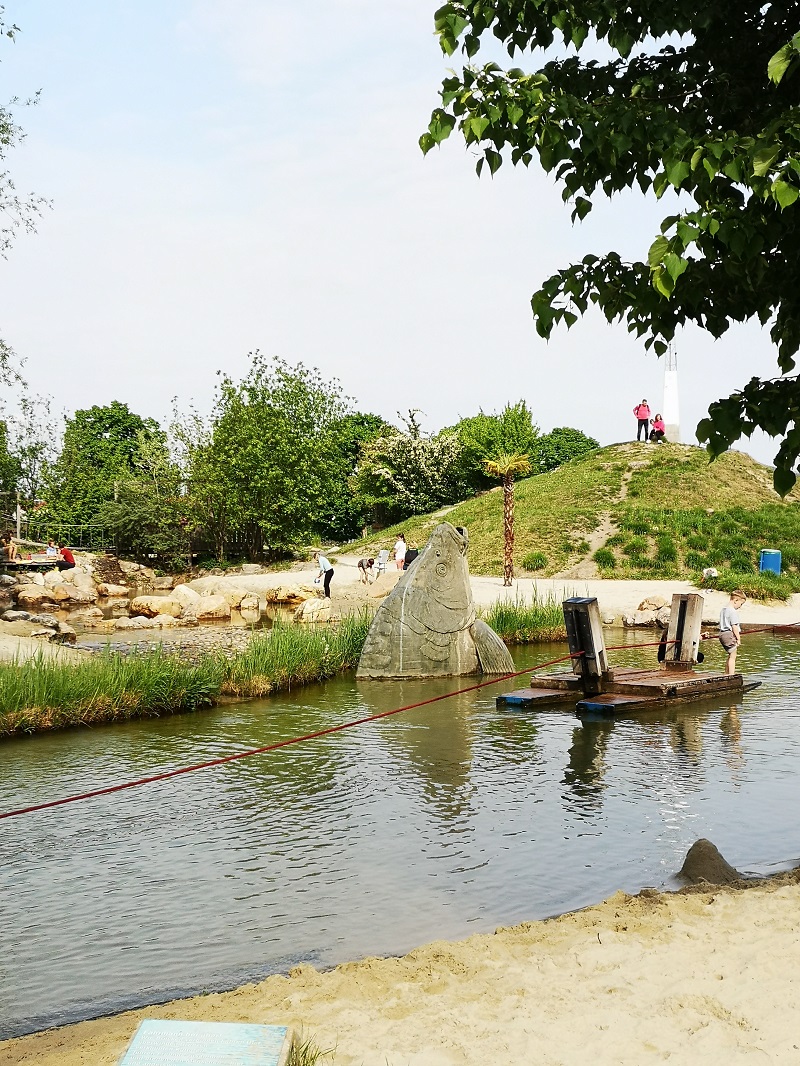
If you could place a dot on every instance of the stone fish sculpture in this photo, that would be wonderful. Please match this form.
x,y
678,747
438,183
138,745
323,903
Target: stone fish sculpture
x,y
426,626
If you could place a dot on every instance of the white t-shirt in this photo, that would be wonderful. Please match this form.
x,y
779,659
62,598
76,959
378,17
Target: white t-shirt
x,y
728,618
400,550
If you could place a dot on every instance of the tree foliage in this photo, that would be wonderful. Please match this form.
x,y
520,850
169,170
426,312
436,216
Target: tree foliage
x,y
559,446
488,436
343,514
262,473
698,96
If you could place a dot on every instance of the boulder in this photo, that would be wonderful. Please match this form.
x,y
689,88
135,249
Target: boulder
x,y
704,864
150,606
188,622
163,584
210,609
384,583
165,621
130,623
81,577
184,595
35,578
250,604
64,634
68,594
15,616
7,581
86,614
291,594
663,615
34,597
232,594
53,578
609,619
6,600
105,589
652,603
318,610
48,620
250,568
640,620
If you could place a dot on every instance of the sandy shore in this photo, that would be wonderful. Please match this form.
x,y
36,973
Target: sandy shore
x,y
708,977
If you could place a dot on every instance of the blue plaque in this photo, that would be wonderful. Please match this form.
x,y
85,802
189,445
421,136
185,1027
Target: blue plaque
x,y
168,1043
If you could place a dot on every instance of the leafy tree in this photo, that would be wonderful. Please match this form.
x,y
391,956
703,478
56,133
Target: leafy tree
x,y
344,515
483,437
262,475
507,467
559,446
409,472
33,444
101,450
9,474
699,96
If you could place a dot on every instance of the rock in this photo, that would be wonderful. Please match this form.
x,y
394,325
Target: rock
x,y
150,606
21,629
663,615
48,620
34,597
210,609
53,578
652,603
105,589
640,620
231,593
250,568
165,621
129,623
704,864
188,622
64,634
384,583
67,594
7,581
184,595
163,584
15,616
609,619
86,614
34,578
6,600
292,594
81,577
250,603
44,633
120,610
318,610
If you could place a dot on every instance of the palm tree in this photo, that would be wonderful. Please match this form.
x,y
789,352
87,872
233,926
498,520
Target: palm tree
x,y
506,466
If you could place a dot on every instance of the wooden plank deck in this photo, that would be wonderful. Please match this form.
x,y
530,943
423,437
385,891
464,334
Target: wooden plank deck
x,y
530,697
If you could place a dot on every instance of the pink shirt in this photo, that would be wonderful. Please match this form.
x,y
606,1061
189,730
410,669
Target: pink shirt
x,y
642,411
658,425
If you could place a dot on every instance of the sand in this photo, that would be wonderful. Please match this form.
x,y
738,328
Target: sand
x,y
706,977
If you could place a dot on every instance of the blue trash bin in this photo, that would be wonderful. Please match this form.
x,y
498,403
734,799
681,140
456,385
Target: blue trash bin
x,y
770,560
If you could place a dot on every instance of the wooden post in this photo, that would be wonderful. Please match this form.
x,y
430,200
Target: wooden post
x,y
585,639
683,635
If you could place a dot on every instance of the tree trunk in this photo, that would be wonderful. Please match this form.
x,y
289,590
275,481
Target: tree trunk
x,y
508,529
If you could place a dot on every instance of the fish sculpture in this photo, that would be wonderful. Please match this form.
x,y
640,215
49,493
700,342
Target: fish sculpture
x,y
427,625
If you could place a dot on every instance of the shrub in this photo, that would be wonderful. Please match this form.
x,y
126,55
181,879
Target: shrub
x,y
636,547
535,561
764,586
527,622
605,558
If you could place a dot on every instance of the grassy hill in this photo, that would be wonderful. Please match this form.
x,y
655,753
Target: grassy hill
x,y
632,510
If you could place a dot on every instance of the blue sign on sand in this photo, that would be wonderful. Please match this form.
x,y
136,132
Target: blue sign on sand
x,y
166,1043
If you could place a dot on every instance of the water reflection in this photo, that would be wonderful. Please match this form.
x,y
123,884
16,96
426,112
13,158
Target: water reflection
x,y
587,763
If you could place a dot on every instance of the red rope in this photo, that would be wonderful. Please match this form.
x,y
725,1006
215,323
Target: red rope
x,y
271,747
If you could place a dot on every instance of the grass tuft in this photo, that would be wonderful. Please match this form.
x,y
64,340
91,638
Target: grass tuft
x,y
527,622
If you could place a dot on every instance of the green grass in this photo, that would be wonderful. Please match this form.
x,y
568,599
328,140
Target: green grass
x,y
764,586
47,694
527,621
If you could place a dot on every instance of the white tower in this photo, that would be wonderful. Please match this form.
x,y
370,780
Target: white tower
x,y
670,412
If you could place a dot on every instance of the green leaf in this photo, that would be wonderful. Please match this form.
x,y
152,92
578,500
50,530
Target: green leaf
x,y
662,282
658,249
677,172
582,207
675,265
476,125
780,63
764,159
784,193
783,480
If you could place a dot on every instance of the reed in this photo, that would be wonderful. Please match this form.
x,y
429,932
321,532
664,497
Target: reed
x,y
45,694
527,621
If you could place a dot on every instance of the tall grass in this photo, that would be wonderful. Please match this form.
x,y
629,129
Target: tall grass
x,y
50,694
527,621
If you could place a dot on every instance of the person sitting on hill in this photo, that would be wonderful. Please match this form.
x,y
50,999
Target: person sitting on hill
x,y
658,430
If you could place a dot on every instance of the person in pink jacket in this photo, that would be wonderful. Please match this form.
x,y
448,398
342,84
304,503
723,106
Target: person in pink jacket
x,y
642,412
658,430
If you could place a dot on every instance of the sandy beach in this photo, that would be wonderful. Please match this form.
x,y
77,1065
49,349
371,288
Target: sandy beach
x,y
705,976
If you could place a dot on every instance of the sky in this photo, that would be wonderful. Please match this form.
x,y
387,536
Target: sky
x,y
240,176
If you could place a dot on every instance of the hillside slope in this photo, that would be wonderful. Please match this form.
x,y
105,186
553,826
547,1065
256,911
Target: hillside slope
x,y
645,510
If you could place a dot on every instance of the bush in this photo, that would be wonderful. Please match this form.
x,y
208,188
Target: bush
x,y
523,622
605,559
763,586
636,547
534,561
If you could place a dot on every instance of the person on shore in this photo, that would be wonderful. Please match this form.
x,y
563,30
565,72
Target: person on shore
x,y
8,549
366,570
325,573
51,548
400,552
66,560
730,633
658,430
642,412
410,556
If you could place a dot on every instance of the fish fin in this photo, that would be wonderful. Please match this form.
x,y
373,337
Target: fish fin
x,y
493,655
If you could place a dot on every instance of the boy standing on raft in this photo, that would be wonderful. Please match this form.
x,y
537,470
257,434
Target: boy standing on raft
x,y
730,634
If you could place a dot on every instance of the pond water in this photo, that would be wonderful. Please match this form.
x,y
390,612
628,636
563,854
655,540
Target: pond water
x,y
440,822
